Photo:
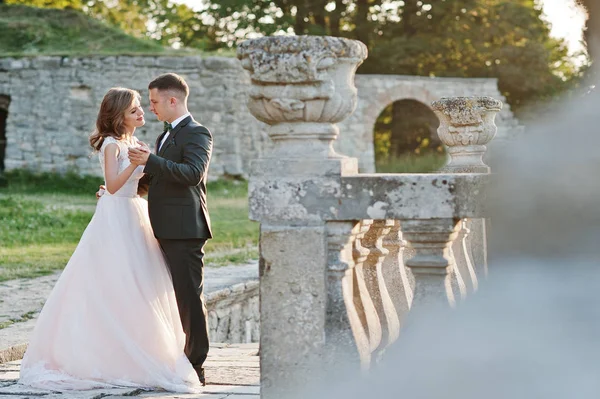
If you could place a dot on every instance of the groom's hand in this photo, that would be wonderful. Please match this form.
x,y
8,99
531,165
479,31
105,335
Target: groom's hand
x,y
143,146
100,192
139,156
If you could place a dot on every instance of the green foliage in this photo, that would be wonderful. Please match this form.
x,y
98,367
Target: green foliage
x,y
506,39
162,21
31,31
59,4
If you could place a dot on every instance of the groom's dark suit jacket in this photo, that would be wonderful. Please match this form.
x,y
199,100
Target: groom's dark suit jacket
x,y
177,183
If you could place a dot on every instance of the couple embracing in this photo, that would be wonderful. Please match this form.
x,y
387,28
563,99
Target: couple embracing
x,y
128,311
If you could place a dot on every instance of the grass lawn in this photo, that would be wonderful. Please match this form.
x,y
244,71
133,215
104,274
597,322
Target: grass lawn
x,y
30,31
43,216
411,163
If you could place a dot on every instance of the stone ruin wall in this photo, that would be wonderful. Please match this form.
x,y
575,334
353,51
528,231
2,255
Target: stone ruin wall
x,y
54,101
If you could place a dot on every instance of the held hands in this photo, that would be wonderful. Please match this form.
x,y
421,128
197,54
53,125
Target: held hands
x,y
139,155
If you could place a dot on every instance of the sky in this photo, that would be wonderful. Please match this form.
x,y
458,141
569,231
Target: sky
x,y
567,21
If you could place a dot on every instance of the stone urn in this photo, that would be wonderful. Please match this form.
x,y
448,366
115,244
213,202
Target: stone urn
x,y
301,87
466,126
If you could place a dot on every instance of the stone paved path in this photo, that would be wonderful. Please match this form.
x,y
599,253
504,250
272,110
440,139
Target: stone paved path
x,y
22,299
232,371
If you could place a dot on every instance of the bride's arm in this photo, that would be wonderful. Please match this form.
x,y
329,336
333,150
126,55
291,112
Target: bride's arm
x,y
114,179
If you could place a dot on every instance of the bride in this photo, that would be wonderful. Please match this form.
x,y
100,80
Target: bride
x,y
112,319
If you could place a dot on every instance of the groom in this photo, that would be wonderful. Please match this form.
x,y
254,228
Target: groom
x,y
176,183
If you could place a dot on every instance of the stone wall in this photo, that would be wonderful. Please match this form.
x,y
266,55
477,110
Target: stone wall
x,y
376,92
233,314
54,102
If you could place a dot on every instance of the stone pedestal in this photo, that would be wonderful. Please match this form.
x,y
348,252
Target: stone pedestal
x,y
301,86
467,126
330,237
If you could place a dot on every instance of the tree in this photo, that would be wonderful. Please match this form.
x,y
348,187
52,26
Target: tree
x,y
134,16
592,39
74,4
506,39
592,32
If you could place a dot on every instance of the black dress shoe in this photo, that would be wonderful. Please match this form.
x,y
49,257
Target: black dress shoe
x,y
201,377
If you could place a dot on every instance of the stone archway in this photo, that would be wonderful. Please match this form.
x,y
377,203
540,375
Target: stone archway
x,y
402,91
375,92
357,132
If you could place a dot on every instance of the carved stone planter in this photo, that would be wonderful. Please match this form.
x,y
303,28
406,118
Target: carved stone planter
x,y
466,126
301,87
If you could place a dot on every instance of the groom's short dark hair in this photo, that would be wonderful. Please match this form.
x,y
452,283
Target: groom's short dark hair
x,y
171,82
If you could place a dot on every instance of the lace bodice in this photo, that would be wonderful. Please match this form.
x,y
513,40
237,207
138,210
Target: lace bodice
x,y
129,189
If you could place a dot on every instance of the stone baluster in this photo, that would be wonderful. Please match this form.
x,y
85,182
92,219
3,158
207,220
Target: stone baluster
x,y
397,277
432,263
476,244
375,283
301,86
461,250
363,302
346,338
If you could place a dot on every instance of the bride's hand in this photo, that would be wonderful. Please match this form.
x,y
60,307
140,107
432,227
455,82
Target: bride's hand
x,y
100,192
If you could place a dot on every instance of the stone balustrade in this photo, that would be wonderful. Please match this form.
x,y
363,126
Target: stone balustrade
x,y
344,256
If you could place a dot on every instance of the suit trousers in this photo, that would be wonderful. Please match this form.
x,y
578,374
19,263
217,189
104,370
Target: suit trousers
x,y
185,261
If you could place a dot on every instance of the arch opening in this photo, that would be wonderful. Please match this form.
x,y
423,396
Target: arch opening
x,y
405,139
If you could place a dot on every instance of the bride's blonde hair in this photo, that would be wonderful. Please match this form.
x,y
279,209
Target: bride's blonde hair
x,y
111,116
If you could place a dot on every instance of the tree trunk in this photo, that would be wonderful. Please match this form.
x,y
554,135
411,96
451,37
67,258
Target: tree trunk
x,y
301,13
362,22
409,14
592,38
318,7
335,18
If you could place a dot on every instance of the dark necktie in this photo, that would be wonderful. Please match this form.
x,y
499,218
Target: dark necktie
x,y
168,128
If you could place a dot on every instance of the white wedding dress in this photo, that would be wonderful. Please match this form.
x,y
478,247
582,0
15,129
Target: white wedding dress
x,y
112,319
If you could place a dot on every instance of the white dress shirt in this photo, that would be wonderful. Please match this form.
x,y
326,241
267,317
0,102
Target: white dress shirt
x,y
173,124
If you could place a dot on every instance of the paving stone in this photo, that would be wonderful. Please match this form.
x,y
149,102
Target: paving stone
x,y
18,389
9,375
228,376
185,396
95,394
229,389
